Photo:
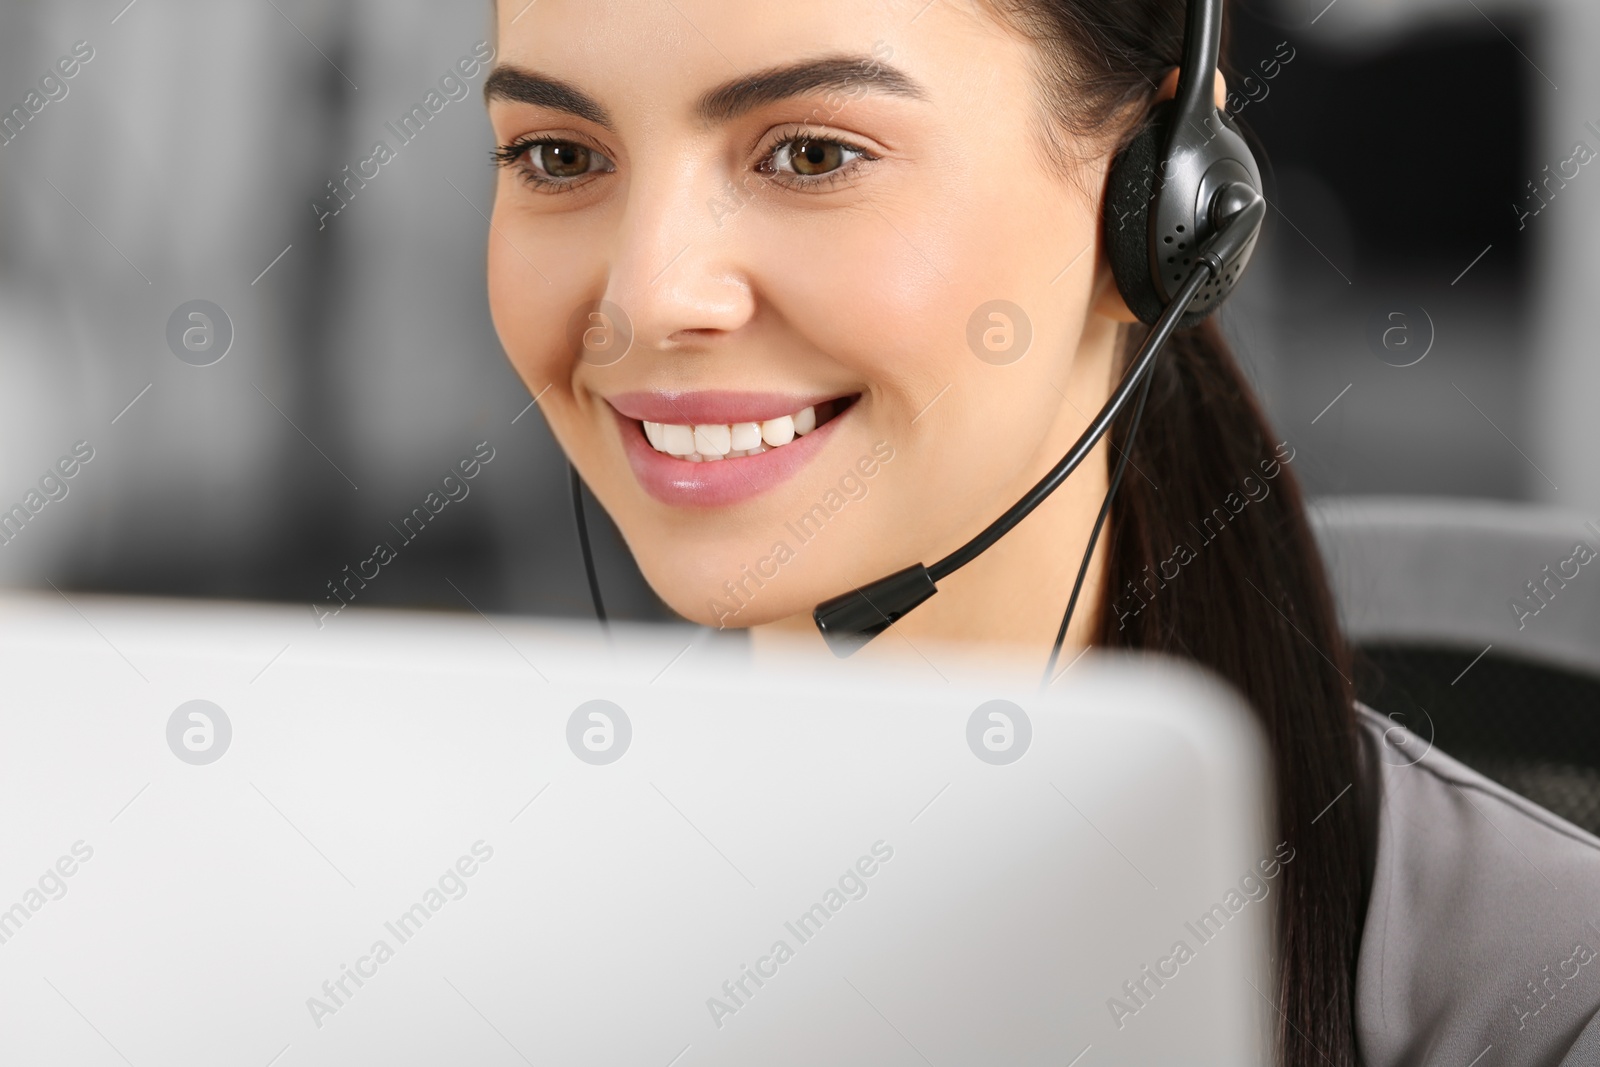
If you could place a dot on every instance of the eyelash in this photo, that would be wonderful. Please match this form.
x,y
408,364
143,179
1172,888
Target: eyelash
x,y
513,156
843,174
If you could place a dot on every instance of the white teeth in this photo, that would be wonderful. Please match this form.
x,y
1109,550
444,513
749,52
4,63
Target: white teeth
x,y
676,440
745,435
713,441
779,431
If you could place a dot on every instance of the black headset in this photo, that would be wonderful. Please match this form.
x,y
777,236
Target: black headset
x,y
1183,208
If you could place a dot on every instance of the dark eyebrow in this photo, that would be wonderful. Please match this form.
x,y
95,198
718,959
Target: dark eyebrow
x,y
526,87
734,98
725,102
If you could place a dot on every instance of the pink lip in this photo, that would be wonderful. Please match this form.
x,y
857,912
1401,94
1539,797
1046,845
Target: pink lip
x,y
712,407
722,482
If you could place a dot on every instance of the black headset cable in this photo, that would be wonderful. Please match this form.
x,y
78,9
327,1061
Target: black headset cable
x,y
588,552
1099,522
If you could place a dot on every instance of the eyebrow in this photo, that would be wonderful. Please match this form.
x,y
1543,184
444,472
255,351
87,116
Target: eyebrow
x,y
727,101
526,87
836,72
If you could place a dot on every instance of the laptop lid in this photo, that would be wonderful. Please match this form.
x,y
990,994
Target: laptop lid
x,y
233,837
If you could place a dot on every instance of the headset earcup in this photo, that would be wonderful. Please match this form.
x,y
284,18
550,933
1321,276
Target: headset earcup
x,y
1131,192
1125,223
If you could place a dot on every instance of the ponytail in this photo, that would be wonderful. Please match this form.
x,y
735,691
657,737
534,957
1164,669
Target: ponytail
x,y
1211,558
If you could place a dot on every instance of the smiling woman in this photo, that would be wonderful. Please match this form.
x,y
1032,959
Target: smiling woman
x,y
785,236
816,321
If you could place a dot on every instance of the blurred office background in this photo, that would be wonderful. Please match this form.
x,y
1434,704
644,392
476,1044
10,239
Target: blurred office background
x,y
181,162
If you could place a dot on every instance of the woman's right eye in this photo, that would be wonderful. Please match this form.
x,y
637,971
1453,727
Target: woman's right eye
x,y
552,164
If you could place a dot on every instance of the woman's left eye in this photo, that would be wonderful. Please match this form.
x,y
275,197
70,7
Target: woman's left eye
x,y
812,160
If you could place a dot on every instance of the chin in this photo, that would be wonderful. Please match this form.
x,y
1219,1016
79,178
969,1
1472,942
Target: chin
x,y
756,613
726,589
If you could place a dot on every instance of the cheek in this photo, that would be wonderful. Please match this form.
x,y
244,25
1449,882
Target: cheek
x,y
852,286
966,434
522,304
904,292
535,284
894,289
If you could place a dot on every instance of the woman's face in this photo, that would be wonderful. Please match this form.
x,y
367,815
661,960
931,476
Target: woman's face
x,y
719,220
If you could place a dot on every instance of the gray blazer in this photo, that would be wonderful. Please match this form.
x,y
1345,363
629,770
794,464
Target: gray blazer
x,y
1483,925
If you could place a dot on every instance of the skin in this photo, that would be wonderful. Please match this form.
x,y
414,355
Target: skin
x,y
862,284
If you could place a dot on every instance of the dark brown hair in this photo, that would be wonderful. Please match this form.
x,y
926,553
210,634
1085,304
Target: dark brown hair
x,y
1249,599
1246,596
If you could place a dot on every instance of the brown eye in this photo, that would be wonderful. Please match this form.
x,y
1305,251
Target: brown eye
x,y
565,160
813,161
811,158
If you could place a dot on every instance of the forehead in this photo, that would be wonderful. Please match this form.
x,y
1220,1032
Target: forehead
x,y
679,47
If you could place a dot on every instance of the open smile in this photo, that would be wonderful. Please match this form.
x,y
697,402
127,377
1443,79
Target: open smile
x,y
711,449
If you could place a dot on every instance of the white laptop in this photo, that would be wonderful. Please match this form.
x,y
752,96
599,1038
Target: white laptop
x,y
231,837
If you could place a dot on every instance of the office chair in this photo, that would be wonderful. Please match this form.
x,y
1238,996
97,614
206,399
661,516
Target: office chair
x,y
1475,623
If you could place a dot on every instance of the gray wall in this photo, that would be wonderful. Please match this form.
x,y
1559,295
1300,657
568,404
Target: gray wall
x,y
186,154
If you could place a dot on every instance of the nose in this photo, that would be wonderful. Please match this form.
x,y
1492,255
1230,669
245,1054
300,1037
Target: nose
x,y
677,268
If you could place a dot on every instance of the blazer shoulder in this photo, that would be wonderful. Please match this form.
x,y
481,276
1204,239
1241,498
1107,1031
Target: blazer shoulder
x,y
1481,925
